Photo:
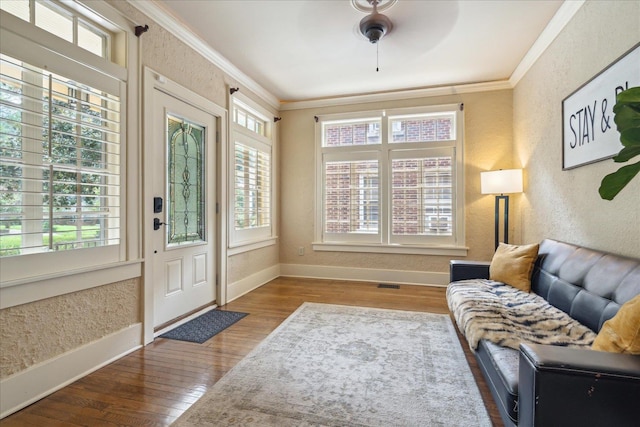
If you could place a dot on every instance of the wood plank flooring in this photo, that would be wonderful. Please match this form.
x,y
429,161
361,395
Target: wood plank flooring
x,y
156,384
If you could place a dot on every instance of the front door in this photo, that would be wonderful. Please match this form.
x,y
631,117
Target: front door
x,y
183,254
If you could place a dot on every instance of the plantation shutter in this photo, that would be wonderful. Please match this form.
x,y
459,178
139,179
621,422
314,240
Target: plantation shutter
x,y
421,194
252,207
59,161
351,197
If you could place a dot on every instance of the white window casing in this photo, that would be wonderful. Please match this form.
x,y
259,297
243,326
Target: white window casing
x,y
347,212
391,181
251,218
60,151
64,152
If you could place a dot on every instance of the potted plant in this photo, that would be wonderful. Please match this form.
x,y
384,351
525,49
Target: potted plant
x,y
627,118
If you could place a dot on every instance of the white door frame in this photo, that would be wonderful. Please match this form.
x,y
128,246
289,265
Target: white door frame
x,y
155,81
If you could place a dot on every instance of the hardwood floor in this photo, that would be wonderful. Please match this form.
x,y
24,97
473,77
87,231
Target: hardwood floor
x,y
155,385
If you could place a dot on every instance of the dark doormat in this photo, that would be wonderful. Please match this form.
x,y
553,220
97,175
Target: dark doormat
x,y
204,326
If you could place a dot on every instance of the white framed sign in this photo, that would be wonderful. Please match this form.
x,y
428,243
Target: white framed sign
x,y
589,132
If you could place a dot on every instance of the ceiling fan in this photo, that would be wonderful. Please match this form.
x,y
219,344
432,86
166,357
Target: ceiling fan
x,y
376,25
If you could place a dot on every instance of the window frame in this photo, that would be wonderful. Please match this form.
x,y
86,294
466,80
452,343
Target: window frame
x,y
386,151
28,278
36,164
79,16
250,238
339,157
437,150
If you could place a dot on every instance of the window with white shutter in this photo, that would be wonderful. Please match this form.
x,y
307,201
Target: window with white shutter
x,y
390,179
252,187
63,109
351,197
251,216
59,162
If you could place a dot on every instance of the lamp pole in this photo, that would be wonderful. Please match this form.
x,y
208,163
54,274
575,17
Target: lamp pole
x,y
505,220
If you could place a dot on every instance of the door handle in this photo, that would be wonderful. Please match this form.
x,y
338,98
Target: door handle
x,y
157,223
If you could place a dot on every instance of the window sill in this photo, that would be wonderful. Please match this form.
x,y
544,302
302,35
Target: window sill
x,y
459,251
250,246
32,289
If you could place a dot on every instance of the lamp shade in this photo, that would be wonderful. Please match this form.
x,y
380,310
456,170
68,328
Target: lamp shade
x,y
501,181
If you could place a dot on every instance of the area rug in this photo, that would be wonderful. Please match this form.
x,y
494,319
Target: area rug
x,y
332,365
204,326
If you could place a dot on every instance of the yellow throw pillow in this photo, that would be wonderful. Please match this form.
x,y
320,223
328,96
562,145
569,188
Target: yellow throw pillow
x,y
621,333
513,264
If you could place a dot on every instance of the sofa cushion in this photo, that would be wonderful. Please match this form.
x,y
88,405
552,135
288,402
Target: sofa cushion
x,y
494,311
513,264
588,285
629,287
621,334
608,273
585,304
500,368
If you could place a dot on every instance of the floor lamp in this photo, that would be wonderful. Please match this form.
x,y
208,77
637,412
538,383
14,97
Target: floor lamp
x,y
500,182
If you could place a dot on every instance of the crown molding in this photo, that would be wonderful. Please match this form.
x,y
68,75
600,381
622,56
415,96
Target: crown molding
x,y
562,17
177,28
560,20
394,95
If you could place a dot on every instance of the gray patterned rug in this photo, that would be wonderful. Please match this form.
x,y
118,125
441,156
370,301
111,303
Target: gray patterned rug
x,y
332,365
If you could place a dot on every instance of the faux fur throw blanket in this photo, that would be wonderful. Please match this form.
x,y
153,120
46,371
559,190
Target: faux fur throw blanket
x,y
484,309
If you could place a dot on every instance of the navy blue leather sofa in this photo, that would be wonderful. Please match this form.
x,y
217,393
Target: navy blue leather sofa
x,y
542,385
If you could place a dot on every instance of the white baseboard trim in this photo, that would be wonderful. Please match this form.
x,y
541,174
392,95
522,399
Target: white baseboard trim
x,y
243,286
36,382
424,278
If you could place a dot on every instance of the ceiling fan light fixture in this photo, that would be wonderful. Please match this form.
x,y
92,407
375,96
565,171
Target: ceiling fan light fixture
x,y
376,25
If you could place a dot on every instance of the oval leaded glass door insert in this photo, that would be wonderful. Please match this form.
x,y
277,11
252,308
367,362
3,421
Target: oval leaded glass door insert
x,y
186,181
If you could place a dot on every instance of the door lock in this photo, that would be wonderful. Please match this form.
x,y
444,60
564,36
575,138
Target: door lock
x,y
157,204
157,223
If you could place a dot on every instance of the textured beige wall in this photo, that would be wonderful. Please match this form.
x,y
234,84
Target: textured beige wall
x,y
565,205
487,145
247,263
162,52
33,333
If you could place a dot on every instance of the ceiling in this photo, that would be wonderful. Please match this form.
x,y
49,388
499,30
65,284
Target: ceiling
x,y
311,49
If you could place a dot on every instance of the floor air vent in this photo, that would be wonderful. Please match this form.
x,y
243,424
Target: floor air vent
x,y
388,286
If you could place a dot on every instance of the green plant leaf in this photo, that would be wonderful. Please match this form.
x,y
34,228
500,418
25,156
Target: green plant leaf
x,y
627,153
613,183
626,117
630,137
631,95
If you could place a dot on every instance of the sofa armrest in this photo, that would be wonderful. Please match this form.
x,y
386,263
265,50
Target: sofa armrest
x,y
464,270
571,387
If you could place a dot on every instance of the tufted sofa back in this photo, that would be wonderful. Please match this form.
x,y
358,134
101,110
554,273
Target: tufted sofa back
x,y
588,285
